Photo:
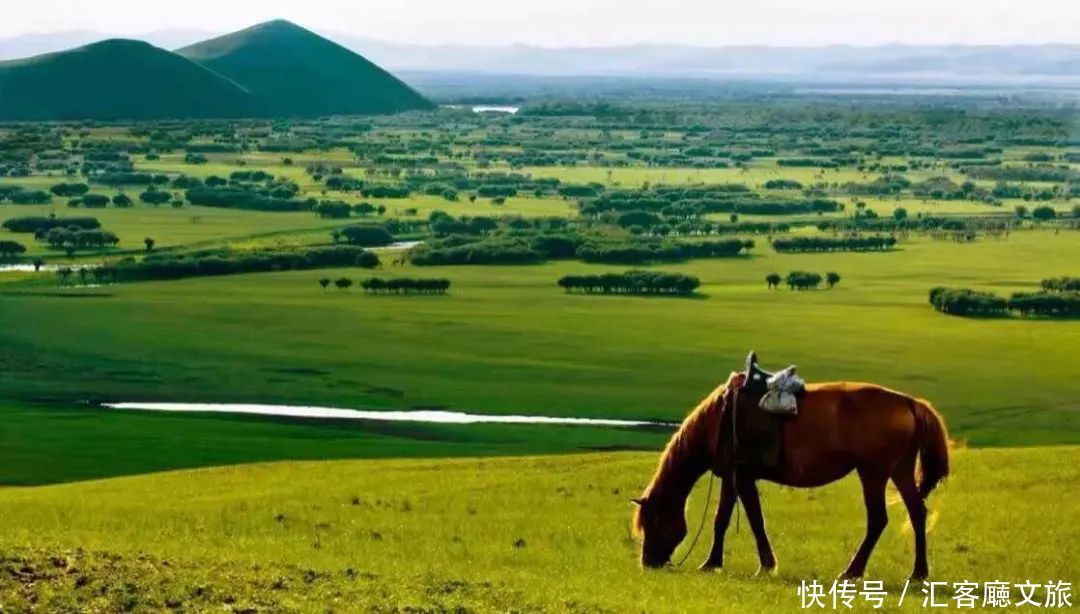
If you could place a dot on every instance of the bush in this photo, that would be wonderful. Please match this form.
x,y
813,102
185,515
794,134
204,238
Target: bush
x,y
632,282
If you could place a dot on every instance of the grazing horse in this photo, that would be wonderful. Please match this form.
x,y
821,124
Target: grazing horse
x,y
840,428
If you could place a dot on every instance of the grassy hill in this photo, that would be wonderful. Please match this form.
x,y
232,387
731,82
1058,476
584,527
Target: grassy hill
x,y
295,72
509,534
116,79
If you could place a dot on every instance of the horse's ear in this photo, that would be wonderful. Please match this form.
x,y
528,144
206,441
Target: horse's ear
x,y
751,360
638,501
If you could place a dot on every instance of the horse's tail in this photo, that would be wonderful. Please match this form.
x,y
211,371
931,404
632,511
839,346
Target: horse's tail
x,y
932,441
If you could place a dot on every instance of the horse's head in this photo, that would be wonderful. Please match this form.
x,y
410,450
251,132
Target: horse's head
x,y
662,527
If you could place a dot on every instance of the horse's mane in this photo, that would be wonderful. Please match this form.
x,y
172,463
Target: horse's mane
x,y
686,442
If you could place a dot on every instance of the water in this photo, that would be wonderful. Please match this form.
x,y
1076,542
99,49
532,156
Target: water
x,y
337,413
486,108
29,268
495,108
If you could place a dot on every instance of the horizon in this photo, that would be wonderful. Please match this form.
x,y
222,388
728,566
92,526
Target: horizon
x,y
585,23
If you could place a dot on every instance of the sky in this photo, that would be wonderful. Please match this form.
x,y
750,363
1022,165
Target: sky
x,y
582,22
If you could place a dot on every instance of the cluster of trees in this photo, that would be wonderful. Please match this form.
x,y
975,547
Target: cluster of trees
x,y
640,250
850,243
802,280
632,282
404,285
18,195
1061,284
965,302
227,263
10,249
40,224
244,198
336,209
73,239
364,235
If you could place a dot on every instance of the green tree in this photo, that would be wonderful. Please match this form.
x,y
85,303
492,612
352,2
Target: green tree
x,y
832,278
343,283
773,279
149,243
899,214
324,282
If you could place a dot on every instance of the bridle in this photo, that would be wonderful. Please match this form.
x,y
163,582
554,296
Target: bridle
x,y
708,494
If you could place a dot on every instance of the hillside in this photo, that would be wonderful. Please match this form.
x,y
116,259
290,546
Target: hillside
x,y
116,79
522,534
295,72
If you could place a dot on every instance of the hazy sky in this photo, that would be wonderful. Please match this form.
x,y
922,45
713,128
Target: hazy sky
x,y
582,22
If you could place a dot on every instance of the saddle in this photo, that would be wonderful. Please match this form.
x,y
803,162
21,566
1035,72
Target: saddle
x,y
761,404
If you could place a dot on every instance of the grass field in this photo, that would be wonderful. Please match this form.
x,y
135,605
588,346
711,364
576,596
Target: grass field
x,y
507,340
513,534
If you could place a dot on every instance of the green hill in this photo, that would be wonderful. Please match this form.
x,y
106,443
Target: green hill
x,y
116,79
296,72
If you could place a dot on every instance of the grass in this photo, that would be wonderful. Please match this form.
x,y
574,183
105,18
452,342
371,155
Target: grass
x,y
49,444
509,534
507,340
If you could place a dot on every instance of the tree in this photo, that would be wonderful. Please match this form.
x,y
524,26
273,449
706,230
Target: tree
x,y
734,217
1021,211
832,278
343,283
63,273
324,282
38,263
899,214
1043,213
149,244
122,200
773,279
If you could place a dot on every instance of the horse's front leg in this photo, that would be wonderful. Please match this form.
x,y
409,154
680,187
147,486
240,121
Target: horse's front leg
x,y
746,486
724,508
877,517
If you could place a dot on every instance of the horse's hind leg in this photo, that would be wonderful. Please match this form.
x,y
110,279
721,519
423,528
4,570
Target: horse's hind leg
x,y
904,479
728,499
748,493
877,517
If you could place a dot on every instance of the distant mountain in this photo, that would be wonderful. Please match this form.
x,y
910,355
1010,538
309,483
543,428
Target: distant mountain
x,y
293,71
28,45
905,62
116,79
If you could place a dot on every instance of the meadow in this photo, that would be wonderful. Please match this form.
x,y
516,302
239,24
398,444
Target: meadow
x,y
522,534
109,510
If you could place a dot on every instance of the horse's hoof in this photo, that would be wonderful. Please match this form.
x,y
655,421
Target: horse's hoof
x,y
847,575
768,571
711,566
919,576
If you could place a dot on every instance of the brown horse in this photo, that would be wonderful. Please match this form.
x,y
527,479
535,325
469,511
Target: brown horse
x,y
840,428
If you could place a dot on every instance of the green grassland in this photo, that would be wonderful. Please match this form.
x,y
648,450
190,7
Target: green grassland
x,y
508,340
510,534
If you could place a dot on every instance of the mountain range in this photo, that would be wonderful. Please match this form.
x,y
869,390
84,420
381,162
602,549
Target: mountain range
x,y
1047,63
271,69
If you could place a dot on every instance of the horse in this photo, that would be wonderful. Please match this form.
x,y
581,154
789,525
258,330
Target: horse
x,y
839,428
